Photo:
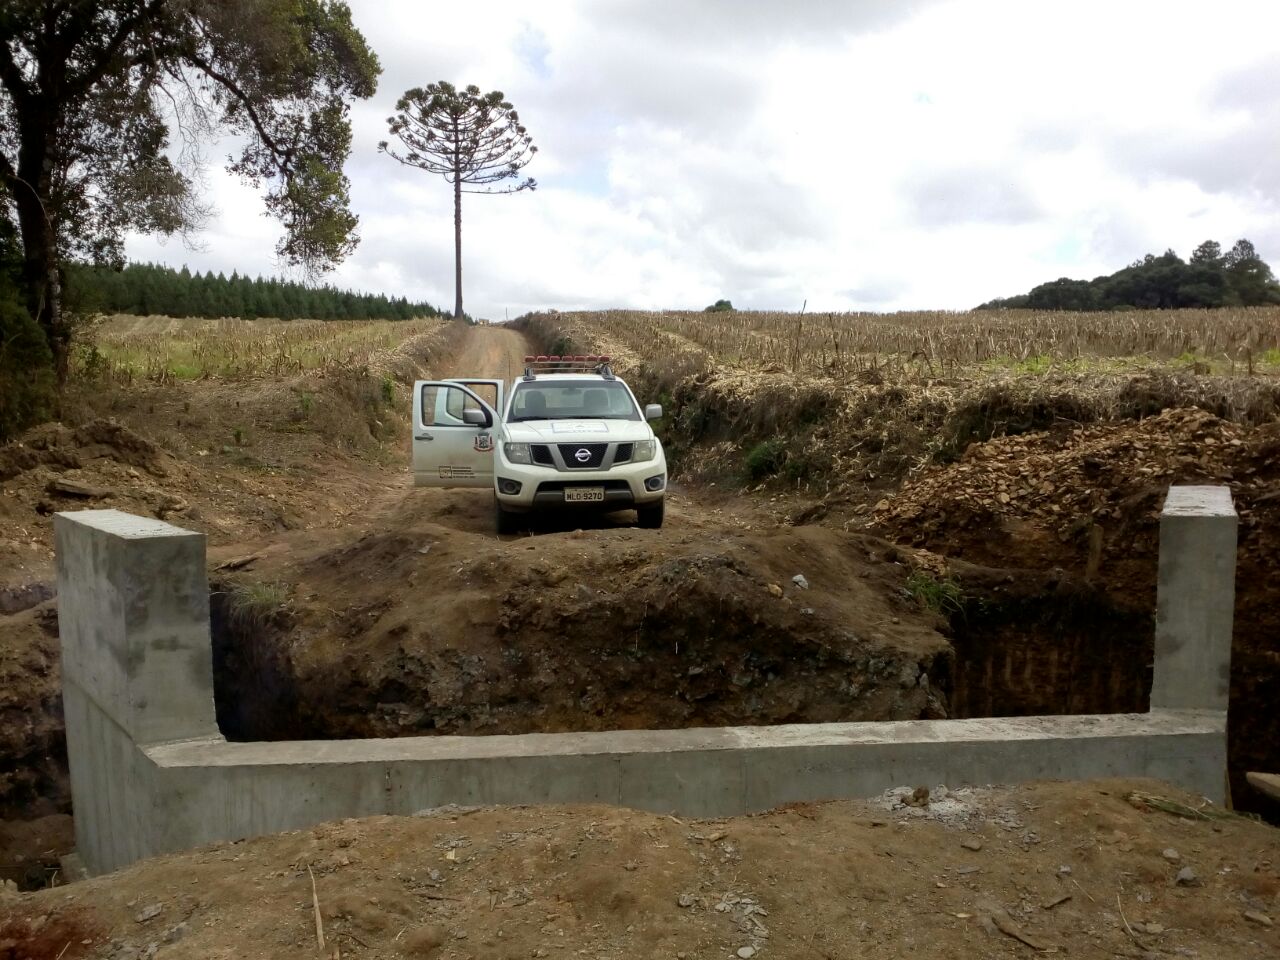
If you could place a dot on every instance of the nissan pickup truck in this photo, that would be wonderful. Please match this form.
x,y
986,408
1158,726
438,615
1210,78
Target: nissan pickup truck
x,y
568,435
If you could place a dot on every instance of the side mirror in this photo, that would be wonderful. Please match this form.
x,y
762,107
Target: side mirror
x,y
474,417
653,411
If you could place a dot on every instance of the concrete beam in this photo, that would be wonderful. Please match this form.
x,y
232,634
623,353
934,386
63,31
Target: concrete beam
x,y
209,790
1195,600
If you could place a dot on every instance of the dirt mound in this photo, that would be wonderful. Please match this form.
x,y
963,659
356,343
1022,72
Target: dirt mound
x,y
987,872
413,628
1069,478
1085,502
64,448
30,850
33,751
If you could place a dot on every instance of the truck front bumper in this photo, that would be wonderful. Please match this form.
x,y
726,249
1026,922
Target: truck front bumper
x,y
542,488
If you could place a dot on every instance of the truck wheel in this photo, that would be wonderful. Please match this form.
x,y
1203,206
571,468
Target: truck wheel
x,y
504,520
650,516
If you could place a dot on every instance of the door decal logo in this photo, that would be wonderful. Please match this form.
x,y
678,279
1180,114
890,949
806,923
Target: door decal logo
x,y
456,473
484,443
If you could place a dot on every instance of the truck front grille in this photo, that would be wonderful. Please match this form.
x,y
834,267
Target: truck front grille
x,y
583,456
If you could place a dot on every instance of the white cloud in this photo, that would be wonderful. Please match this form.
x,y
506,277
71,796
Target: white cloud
x,y
871,155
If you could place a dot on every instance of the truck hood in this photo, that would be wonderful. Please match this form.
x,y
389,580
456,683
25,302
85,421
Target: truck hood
x,y
578,431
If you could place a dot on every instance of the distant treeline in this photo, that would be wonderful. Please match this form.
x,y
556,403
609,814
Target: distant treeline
x,y
146,288
1238,278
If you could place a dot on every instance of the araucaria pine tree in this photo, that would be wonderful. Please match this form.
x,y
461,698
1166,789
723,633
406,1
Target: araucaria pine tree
x,y
472,139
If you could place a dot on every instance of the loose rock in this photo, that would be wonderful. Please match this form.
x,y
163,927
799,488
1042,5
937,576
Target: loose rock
x,y
1187,878
800,581
1259,918
148,913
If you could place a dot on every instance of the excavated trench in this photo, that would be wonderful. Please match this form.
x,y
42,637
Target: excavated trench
x,y
692,659
687,661
1041,645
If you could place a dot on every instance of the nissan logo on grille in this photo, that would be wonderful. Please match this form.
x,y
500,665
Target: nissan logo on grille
x,y
583,455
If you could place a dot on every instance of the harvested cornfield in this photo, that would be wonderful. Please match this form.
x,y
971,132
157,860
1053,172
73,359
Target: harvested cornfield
x,y
923,345
159,350
829,401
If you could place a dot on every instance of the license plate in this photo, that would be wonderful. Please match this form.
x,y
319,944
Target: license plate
x,y
584,495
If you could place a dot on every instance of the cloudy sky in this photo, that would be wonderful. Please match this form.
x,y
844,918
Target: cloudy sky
x,y
864,154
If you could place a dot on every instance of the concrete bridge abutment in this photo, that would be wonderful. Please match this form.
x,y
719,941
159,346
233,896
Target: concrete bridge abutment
x,y
151,773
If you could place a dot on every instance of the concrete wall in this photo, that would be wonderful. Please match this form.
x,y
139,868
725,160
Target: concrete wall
x,y
151,774
210,790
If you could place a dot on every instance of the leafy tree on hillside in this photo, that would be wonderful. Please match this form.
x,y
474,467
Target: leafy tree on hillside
x,y
467,137
1211,279
86,90
1249,278
1209,252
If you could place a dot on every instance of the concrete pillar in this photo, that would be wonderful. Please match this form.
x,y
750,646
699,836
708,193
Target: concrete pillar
x,y
137,668
133,619
1195,600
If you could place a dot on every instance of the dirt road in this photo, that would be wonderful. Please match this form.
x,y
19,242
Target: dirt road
x,y
494,353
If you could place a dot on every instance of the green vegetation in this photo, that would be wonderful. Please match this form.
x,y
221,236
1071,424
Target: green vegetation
x,y
720,306
253,606
1238,278
765,458
942,596
27,388
92,95
149,290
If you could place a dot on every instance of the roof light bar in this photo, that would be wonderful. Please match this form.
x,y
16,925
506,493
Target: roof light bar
x,y
568,363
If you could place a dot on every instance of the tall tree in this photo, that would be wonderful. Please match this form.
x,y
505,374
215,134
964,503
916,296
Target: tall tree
x,y
1208,252
467,137
1248,275
87,90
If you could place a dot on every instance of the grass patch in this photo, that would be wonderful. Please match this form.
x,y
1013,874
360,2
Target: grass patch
x,y
942,596
253,606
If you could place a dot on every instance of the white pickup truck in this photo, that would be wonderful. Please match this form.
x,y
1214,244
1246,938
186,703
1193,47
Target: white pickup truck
x,y
569,434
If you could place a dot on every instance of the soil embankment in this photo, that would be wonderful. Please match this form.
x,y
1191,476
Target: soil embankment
x,y
1086,870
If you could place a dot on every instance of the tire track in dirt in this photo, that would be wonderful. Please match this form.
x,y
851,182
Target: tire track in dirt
x,y
488,352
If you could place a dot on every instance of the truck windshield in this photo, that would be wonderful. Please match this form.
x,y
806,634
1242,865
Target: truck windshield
x,y
592,400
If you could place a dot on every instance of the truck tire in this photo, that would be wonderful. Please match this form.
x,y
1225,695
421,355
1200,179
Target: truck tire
x,y
650,515
504,521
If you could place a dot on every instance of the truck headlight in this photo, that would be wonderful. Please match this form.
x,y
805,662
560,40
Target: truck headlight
x,y
517,452
644,450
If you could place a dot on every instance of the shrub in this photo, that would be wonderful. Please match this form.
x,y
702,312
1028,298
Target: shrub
x,y
765,458
720,306
28,386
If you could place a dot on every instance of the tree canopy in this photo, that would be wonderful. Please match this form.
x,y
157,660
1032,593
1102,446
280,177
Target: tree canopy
x,y
145,288
1238,278
474,140
91,89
